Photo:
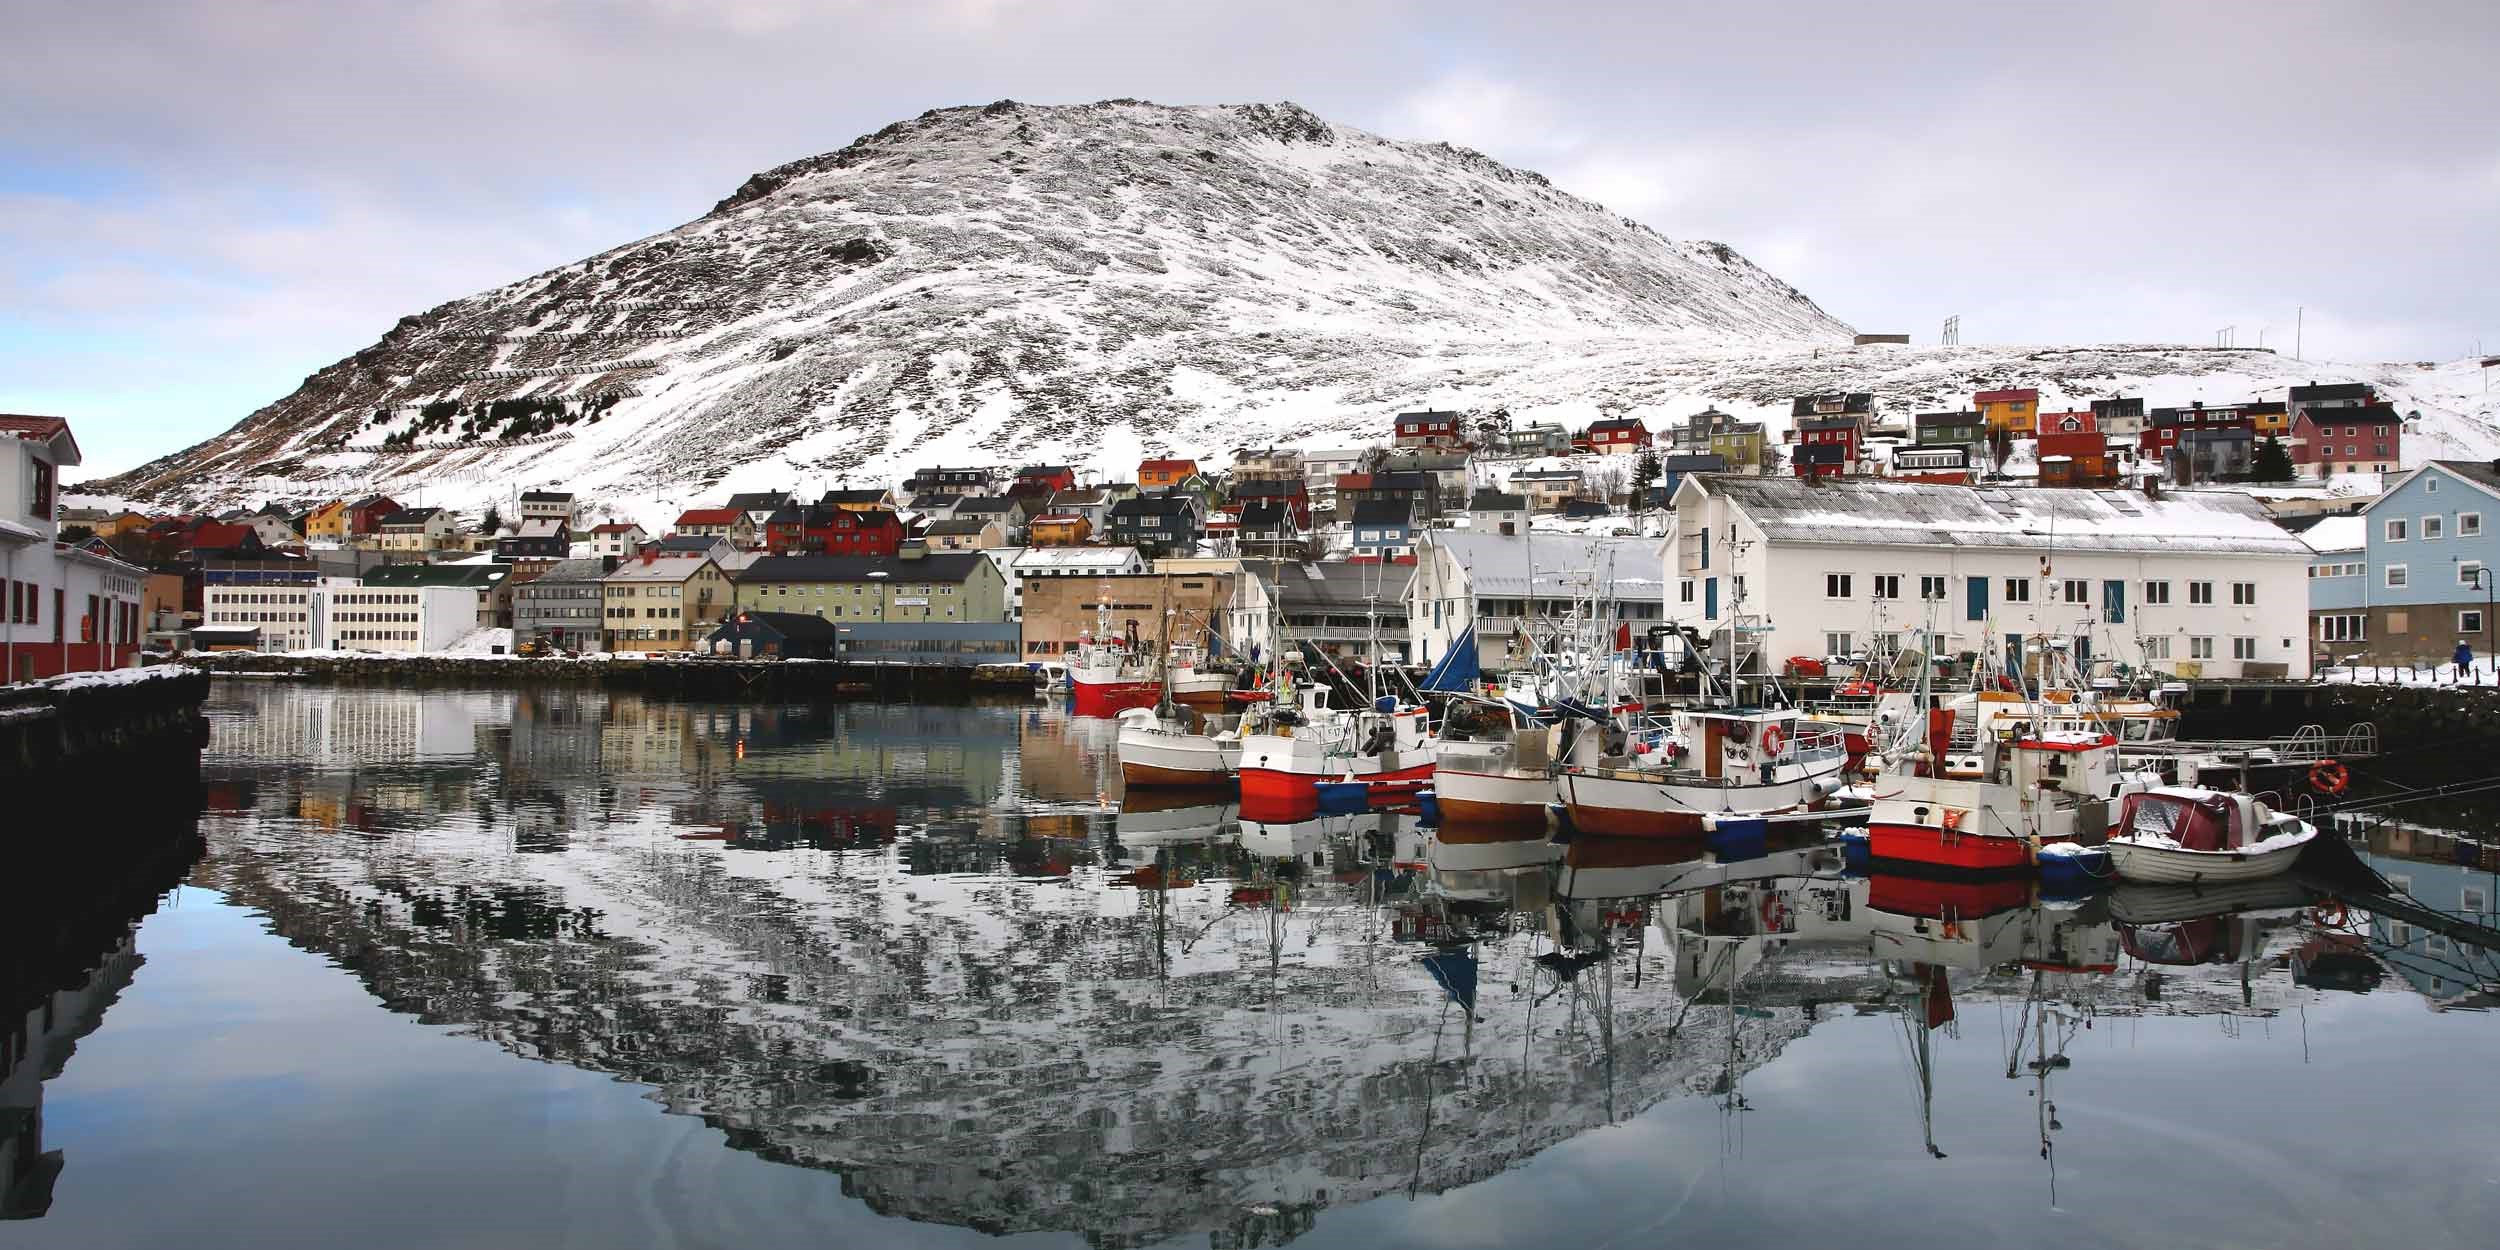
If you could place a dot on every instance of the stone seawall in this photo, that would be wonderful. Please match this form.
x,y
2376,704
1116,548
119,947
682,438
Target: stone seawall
x,y
68,732
701,678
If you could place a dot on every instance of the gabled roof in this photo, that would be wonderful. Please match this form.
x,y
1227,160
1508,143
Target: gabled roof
x,y
1830,423
1272,488
1034,558
756,501
222,536
410,518
660,566
1489,500
2314,392
1267,514
791,514
1383,512
2358,414
1037,470
1858,511
1152,505
1849,401
710,516
615,527
689,543
987,505
543,527
2483,475
1612,424
1167,466
41,430
1080,497
937,566
1499,566
2007,395
587,569
1693,462
949,526
546,496
850,495
1429,415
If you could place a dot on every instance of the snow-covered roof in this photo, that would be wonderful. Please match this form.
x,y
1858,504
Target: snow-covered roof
x,y
1872,512
656,567
2337,533
1500,566
1105,558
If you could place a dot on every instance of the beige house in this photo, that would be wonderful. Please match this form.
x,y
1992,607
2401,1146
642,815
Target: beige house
x,y
657,602
1058,612
935,586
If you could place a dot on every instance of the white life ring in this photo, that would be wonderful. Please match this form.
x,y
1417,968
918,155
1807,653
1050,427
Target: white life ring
x,y
1772,740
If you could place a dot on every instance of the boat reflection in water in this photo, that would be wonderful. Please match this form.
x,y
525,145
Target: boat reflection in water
x,y
923,950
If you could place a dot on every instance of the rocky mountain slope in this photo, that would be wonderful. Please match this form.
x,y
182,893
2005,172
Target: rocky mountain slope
x,y
993,283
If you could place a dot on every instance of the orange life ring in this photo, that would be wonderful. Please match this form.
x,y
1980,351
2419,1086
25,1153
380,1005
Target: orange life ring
x,y
2331,914
1773,739
2329,777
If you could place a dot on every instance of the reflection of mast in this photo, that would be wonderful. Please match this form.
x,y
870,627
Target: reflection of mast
x,y
1932,1009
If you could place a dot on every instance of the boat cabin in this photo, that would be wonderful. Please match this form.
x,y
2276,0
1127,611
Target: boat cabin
x,y
2195,819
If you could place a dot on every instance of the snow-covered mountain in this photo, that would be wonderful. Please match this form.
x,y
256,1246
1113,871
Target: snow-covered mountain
x,y
1099,282
985,284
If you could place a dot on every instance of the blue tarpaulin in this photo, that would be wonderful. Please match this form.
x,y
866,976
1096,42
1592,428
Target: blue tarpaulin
x,y
1456,971
1458,671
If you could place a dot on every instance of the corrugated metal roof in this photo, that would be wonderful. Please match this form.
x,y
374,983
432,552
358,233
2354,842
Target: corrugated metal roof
x,y
1866,511
1499,565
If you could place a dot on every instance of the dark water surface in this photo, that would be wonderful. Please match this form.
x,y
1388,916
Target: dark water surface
x,y
582,969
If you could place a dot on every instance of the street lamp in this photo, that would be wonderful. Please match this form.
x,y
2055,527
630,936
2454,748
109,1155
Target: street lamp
x,y
2483,582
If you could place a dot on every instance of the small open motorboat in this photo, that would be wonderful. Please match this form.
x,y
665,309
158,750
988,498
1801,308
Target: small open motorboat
x,y
2183,835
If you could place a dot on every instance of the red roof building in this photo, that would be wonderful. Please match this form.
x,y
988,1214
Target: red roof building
x,y
1159,474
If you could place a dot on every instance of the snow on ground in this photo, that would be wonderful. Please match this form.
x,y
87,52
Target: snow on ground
x,y
484,640
2479,674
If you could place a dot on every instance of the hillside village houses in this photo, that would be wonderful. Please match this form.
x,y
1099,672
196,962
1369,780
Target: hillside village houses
x,y
658,602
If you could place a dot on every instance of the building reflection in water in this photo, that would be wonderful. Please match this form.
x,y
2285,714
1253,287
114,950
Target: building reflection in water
x,y
923,948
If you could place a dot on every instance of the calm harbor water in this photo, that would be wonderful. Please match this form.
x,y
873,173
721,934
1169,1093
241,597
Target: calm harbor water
x,y
571,968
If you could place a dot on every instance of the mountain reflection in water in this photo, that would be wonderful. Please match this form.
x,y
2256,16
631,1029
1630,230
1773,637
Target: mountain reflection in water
x,y
929,949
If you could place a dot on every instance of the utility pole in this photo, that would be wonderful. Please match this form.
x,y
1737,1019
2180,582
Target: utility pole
x,y
2300,319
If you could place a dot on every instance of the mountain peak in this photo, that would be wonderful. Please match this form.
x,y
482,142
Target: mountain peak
x,y
999,281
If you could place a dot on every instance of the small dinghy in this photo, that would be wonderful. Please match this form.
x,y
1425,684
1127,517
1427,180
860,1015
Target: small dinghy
x,y
2182,835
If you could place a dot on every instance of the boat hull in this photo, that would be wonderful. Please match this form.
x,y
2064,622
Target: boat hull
x,y
2156,865
1468,797
1623,803
1110,698
1925,848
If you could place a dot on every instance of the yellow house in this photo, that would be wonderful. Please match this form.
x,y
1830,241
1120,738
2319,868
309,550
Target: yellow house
x,y
2269,420
327,522
657,602
2016,411
1739,448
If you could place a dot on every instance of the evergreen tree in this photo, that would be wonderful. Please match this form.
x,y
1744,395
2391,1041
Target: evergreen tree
x,y
1644,475
2272,463
493,523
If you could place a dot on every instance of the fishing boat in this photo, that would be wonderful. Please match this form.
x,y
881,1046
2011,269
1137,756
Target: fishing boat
x,y
1292,749
2184,835
1107,676
1160,747
1661,779
1493,765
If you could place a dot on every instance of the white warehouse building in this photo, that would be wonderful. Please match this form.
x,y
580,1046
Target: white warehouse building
x,y
2198,584
397,618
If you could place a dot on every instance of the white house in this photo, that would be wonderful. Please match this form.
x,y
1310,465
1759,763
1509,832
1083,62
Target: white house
x,y
2200,584
1034,562
66,609
1508,588
1320,469
397,618
618,539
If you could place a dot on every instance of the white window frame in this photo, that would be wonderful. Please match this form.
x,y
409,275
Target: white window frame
x,y
1838,642
2076,589
2157,594
2243,594
1886,585
2476,628
1936,583
1838,586
2398,577
2466,571
2343,627
2157,646
2395,530
2243,648
2469,525
2200,594
2434,527
2201,647
2018,590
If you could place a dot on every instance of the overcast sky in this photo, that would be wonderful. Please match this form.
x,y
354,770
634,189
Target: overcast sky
x,y
200,203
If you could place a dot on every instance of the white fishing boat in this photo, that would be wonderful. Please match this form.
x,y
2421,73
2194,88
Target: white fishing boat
x,y
1493,765
1667,777
2183,835
1176,749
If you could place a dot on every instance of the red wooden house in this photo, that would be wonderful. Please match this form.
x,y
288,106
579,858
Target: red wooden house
x,y
2163,426
365,516
1044,480
2364,439
1428,429
1828,446
1617,435
848,530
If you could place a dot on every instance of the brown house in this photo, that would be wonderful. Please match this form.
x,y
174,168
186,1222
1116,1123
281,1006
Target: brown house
x,y
1061,611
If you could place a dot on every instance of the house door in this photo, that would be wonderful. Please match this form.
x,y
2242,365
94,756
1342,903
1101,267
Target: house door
x,y
1977,588
1710,598
2014,653
2114,601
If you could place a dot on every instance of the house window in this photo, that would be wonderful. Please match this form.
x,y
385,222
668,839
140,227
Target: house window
x,y
1887,585
1684,591
1931,588
1837,644
2157,647
2430,486
2018,590
2200,593
2200,648
2156,592
2470,573
2470,621
2078,590
2343,627
2396,577
2243,594
1835,585
2469,524
2243,648
2395,529
2434,527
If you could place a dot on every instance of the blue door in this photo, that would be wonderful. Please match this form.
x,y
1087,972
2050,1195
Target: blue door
x,y
2013,653
2114,602
1710,598
1978,597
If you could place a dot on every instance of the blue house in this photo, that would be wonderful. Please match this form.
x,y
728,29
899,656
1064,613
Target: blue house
x,y
2427,577
1384,529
